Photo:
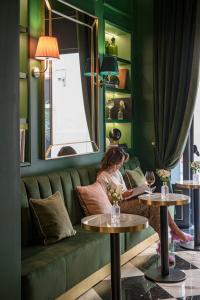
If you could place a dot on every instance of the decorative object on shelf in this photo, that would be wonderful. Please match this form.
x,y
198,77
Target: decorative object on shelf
x,y
123,75
120,114
113,81
113,48
107,44
47,49
109,67
110,104
195,166
126,107
114,136
115,195
164,177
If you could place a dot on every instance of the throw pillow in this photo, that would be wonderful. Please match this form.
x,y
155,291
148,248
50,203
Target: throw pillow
x,y
51,218
93,199
134,178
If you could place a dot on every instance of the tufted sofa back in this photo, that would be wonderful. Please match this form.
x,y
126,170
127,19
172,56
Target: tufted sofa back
x,y
65,181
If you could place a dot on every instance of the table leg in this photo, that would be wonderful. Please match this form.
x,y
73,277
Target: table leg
x,y
115,266
164,274
195,245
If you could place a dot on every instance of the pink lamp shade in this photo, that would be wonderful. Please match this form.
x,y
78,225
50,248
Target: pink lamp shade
x,y
47,48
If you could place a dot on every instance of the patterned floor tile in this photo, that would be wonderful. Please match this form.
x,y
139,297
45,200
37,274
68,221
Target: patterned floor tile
x,y
128,270
136,286
90,295
193,257
189,287
190,298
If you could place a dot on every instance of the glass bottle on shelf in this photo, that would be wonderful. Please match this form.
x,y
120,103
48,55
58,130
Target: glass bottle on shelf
x,y
120,114
115,213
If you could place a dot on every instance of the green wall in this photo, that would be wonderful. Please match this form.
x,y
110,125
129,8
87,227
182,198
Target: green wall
x,y
10,266
143,82
116,12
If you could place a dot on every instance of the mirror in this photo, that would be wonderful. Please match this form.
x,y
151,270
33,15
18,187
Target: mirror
x,y
71,97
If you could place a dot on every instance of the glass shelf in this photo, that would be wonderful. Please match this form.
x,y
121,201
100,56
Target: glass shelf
x,y
116,90
118,121
123,61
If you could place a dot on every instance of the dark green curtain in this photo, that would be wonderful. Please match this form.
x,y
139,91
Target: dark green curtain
x,y
176,67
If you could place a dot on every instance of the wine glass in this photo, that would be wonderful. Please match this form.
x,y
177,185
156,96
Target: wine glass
x,y
110,104
150,179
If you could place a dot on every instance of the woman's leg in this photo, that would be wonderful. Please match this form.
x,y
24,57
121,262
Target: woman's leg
x,y
177,231
151,212
153,215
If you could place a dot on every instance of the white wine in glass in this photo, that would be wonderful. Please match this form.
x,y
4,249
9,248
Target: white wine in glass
x,y
150,179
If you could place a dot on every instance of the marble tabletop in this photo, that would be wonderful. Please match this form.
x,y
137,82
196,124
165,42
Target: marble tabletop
x,y
159,200
188,184
102,223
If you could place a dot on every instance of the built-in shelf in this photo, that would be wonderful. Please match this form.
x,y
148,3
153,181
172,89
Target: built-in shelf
x,y
23,29
22,75
122,96
116,90
118,121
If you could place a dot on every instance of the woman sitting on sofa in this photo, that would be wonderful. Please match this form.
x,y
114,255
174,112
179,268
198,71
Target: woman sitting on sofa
x,y
109,174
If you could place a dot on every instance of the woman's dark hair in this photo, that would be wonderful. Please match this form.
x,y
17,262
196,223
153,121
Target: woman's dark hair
x,y
66,150
113,156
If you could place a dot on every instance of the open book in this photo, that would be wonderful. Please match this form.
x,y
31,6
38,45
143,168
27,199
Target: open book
x,y
139,191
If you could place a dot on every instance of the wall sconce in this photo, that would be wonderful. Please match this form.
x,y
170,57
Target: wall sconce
x,y
47,49
109,67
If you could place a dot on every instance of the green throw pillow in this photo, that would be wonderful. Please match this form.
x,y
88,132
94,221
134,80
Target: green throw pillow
x,y
134,178
51,219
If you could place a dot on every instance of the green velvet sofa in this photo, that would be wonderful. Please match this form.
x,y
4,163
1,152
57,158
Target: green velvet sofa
x,y
50,271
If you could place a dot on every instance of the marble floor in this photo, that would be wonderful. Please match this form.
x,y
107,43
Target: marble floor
x,y
136,286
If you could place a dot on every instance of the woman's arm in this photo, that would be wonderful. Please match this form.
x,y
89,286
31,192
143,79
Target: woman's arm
x,y
132,193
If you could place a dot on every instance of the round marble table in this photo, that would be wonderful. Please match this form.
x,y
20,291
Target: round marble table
x,y
164,274
102,223
189,184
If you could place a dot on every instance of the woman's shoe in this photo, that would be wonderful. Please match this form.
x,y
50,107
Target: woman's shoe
x,y
171,259
188,237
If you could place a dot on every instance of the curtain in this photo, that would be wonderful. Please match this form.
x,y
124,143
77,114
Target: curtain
x,y
176,67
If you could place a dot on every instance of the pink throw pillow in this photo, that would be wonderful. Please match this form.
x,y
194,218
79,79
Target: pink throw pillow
x,y
93,199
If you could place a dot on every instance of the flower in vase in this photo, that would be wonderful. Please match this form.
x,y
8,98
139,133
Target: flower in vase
x,y
114,192
195,166
163,174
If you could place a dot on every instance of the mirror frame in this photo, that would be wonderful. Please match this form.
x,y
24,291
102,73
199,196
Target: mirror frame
x,y
94,79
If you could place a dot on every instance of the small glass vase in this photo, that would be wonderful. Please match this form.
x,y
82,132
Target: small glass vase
x,y
164,190
115,213
195,177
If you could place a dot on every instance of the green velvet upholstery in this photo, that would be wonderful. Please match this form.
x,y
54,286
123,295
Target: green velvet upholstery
x,y
49,271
